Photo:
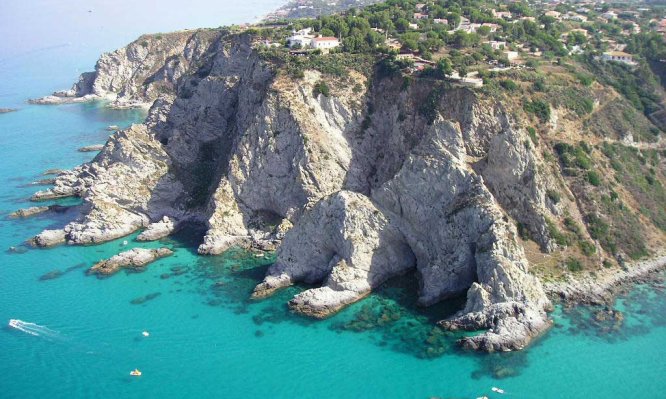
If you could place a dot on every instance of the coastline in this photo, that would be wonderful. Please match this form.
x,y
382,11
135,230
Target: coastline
x,y
603,289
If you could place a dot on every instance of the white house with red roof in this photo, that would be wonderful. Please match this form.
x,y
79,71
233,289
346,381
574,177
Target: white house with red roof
x,y
324,43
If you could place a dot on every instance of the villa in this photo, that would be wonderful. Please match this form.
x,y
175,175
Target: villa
x,y
324,43
619,56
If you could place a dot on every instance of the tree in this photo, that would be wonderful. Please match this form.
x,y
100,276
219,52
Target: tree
x,y
483,30
461,39
444,67
402,25
410,40
576,38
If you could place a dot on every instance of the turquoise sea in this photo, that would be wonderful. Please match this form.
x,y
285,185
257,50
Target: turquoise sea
x,y
206,338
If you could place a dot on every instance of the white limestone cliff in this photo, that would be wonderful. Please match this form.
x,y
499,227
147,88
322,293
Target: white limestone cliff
x,y
355,187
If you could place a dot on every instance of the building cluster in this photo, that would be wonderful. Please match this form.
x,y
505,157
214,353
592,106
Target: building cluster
x,y
305,39
577,17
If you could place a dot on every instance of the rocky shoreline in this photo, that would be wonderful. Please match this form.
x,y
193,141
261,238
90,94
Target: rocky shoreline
x,y
136,258
604,289
357,186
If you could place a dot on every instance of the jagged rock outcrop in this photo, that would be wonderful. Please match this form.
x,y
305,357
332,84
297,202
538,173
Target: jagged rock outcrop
x,y
48,238
358,186
136,258
443,217
125,187
135,75
157,230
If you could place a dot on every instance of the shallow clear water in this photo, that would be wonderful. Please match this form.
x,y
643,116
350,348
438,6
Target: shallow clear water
x,y
207,339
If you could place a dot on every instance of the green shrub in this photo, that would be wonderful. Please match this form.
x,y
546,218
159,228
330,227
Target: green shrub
x,y
587,247
554,233
597,227
573,156
572,226
539,108
585,79
321,88
593,178
554,196
539,85
509,85
533,135
429,108
573,265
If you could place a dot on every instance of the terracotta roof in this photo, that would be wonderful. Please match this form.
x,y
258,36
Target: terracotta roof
x,y
325,39
618,54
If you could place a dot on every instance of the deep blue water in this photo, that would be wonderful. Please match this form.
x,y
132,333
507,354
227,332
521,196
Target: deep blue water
x,y
206,339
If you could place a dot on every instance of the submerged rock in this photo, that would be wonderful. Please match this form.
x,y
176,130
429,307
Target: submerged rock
x,y
7,110
58,98
35,210
17,250
51,275
53,171
43,182
91,148
143,299
27,212
133,259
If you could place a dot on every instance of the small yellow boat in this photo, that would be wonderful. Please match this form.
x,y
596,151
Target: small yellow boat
x,y
135,373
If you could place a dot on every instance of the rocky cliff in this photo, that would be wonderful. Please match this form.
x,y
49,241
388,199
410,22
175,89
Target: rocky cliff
x,y
135,75
378,176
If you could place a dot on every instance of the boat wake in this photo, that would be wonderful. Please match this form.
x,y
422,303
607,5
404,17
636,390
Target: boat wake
x,y
32,329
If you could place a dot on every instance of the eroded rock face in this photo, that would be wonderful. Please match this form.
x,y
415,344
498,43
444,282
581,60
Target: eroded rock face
x,y
135,75
440,217
347,243
354,197
134,258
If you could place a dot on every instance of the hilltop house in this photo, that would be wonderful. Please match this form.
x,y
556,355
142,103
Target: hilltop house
x,y
609,15
304,38
496,45
493,27
300,38
510,55
324,43
502,14
619,56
